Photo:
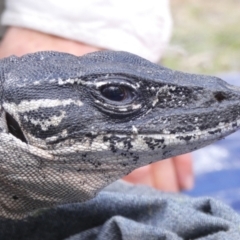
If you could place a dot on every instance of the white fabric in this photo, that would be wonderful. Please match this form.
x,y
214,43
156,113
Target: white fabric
x,y
142,27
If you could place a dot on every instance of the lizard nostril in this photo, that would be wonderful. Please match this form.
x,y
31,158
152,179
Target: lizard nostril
x,y
14,128
219,96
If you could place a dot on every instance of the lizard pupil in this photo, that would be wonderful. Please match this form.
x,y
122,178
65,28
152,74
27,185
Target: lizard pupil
x,y
114,93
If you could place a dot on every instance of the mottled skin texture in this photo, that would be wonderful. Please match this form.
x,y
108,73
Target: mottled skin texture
x,y
71,125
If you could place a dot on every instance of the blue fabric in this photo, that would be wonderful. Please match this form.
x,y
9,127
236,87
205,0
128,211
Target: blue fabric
x,y
126,212
217,167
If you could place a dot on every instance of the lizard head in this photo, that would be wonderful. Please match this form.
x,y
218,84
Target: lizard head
x,y
78,123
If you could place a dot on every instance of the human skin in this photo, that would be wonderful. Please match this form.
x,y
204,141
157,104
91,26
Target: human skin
x,y
170,175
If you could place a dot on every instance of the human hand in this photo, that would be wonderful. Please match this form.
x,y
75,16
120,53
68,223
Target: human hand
x,y
19,41
169,175
173,174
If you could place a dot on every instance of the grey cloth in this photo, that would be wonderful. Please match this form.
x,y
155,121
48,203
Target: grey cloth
x,y
124,211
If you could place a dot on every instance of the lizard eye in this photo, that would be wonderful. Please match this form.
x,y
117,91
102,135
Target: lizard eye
x,y
115,97
116,93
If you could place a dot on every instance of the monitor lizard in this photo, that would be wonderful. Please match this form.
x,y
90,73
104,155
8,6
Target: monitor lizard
x,y
71,125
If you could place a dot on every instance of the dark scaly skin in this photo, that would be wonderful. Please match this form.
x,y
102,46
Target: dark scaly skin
x,y
71,125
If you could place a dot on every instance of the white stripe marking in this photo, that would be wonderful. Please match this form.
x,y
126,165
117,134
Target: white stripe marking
x,y
26,106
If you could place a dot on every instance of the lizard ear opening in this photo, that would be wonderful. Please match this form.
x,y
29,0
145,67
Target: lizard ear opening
x,y
14,128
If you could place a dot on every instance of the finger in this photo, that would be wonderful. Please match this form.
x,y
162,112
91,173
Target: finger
x,y
141,175
184,171
164,176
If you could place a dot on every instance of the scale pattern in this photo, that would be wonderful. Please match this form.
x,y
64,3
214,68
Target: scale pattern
x,y
71,125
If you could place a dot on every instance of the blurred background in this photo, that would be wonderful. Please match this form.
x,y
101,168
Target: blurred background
x,y
206,36
206,39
